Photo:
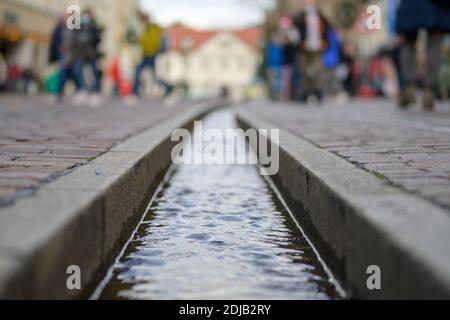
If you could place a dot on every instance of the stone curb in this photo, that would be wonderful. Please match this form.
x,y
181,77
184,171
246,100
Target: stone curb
x,y
356,220
84,217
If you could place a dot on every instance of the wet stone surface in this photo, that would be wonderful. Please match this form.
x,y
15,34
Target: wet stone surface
x,y
218,232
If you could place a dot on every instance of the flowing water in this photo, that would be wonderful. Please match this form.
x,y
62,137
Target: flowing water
x,y
217,232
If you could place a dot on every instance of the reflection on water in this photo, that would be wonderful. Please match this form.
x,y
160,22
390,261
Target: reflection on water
x,y
218,232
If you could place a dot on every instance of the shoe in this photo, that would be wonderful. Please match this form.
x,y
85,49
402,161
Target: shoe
x,y
428,100
407,97
171,101
54,100
131,101
95,100
80,99
169,90
341,98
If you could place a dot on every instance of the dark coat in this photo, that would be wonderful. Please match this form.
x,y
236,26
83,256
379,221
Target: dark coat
x,y
81,44
442,15
88,40
56,43
302,27
431,15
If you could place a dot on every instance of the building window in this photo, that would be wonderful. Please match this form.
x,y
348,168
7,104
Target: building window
x,y
224,64
205,64
225,44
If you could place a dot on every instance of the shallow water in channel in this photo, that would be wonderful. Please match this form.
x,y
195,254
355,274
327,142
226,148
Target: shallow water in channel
x,y
217,232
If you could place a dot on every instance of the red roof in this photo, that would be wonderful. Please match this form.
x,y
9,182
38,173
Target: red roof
x,y
197,38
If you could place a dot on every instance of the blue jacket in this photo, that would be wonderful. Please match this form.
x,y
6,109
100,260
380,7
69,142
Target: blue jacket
x,y
432,15
332,56
274,55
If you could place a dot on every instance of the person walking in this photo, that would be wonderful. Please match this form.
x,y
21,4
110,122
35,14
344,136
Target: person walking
x,y
273,66
313,30
152,44
290,38
61,51
413,16
445,70
88,39
331,60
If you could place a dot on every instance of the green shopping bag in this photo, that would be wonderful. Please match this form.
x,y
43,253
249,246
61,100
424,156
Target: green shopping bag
x,y
52,83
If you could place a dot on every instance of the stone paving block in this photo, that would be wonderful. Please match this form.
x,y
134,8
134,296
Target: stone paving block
x,y
26,173
34,136
17,183
7,192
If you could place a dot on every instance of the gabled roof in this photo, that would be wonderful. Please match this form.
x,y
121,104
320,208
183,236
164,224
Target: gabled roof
x,y
197,38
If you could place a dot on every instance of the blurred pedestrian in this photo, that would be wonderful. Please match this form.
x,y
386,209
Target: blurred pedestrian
x,y
331,59
289,41
61,51
88,39
395,41
3,73
274,66
152,44
313,29
413,16
347,69
115,76
445,70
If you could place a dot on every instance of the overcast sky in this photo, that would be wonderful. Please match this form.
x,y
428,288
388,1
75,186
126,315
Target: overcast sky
x,y
208,13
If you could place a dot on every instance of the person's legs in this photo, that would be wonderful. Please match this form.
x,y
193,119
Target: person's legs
x,y
295,81
311,69
151,62
317,73
278,81
434,59
395,56
305,76
286,82
63,76
408,68
95,99
408,59
97,76
137,77
434,62
78,75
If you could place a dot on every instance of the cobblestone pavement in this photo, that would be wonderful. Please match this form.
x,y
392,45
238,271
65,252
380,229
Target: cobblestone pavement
x,y
410,149
39,142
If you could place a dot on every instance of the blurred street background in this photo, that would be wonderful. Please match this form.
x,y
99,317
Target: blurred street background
x,y
244,49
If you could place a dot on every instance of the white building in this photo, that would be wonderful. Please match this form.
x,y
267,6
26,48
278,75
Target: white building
x,y
211,61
